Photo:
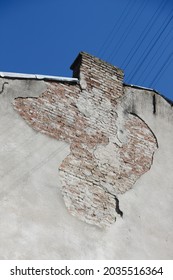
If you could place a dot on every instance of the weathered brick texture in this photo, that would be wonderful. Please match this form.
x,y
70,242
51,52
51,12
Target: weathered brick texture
x,y
110,148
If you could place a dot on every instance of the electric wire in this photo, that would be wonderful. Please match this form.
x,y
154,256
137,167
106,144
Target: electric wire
x,y
127,31
148,51
116,26
162,69
158,60
143,35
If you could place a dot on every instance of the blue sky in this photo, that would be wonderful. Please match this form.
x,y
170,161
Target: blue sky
x,y
45,36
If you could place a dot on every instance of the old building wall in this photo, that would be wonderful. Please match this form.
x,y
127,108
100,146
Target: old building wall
x,y
104,158
101,164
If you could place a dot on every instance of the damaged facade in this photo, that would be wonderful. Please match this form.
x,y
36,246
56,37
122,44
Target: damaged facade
x,y
111,143
110,146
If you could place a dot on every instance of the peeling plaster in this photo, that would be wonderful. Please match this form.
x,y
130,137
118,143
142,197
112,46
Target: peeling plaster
x,y
110,147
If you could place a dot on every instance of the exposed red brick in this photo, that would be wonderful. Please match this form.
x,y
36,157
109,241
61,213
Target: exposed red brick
x,y
98,167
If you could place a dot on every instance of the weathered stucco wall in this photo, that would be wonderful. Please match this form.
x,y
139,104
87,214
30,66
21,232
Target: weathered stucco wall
x,y
106,159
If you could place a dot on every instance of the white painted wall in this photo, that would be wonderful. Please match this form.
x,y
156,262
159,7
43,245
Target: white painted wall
x,y
34,222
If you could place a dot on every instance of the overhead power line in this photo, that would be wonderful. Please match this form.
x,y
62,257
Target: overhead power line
x,y
143,35
158,60
128,30
116,26
148,50
162,69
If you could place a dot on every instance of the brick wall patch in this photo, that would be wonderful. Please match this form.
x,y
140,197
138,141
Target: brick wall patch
x,y
109,149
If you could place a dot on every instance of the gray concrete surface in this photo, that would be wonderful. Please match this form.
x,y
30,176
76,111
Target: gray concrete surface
x,y
34,222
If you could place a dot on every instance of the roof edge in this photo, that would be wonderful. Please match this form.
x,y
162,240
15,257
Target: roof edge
x,y
37,77
140,87
150,89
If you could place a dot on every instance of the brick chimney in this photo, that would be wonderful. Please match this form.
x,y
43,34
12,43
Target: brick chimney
x,y
93,72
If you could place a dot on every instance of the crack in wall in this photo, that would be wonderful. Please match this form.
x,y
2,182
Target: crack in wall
x,y
117,205
154,104
118,210
3,87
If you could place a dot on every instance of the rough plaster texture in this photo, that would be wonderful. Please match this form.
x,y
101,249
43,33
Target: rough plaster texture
x,y
102,163
34,221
